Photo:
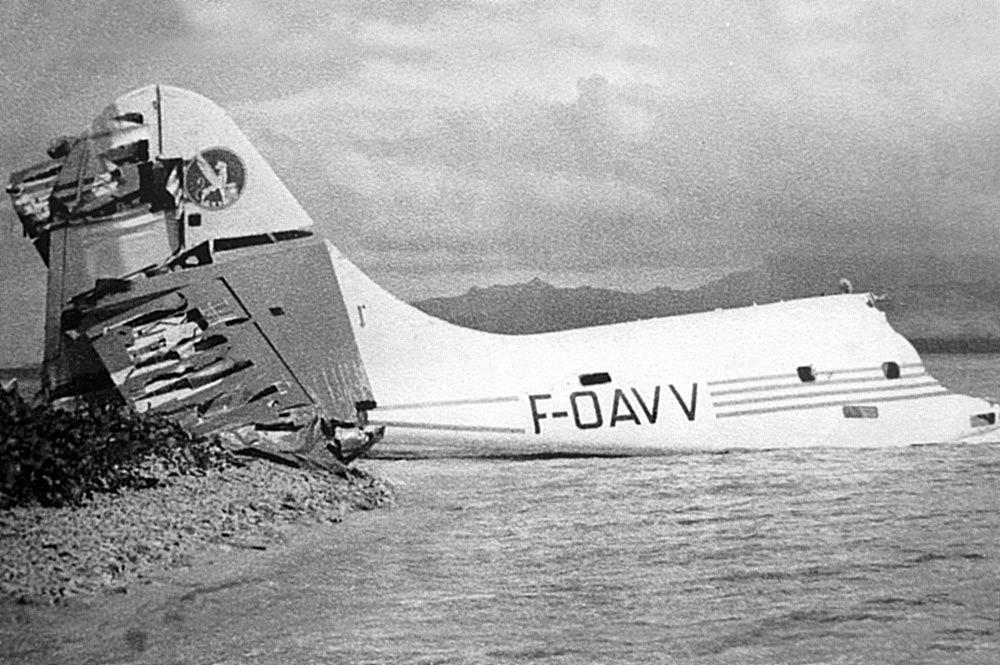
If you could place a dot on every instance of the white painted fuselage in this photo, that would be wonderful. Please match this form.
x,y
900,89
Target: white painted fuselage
x,y
824,371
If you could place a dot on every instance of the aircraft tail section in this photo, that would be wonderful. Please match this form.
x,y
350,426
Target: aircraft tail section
x,y
182,273
184,277
440,359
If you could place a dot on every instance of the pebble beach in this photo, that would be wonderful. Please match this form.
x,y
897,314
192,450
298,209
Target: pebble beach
x,y
48,555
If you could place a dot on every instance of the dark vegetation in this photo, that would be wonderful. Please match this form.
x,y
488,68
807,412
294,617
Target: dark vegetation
x,y
61,456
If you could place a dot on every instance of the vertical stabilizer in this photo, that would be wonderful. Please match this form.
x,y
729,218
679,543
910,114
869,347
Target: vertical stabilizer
x,y
182,275
228,189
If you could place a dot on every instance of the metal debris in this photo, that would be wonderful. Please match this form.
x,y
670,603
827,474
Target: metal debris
x,y
154,300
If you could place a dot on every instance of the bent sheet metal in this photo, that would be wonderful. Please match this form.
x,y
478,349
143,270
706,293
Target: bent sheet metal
x,y
230,324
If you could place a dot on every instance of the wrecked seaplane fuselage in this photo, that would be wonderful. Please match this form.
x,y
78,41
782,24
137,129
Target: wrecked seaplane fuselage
x,y
183,278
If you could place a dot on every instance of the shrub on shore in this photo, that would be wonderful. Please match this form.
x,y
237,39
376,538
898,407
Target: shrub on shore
x,y
60,456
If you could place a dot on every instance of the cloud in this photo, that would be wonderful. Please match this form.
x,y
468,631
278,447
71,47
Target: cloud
x,y
542,136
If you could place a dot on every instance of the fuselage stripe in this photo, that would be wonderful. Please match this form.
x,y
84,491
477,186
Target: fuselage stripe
x,y
819,405
766,377
450,402
798,384
786,375
450,428
808,393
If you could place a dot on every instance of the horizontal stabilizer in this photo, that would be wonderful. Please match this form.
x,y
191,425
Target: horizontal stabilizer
x,y
259,335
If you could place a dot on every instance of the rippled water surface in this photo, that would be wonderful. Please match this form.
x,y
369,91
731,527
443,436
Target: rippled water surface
x,y
884,556
801,556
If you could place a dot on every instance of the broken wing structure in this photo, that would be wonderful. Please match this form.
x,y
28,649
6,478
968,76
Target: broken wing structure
x,y
183,278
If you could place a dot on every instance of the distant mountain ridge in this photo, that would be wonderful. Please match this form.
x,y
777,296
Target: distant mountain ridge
x,y
537,306
939,307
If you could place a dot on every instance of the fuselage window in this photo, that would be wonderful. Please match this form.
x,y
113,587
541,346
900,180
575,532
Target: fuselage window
x,y
891,370
595,379
806,373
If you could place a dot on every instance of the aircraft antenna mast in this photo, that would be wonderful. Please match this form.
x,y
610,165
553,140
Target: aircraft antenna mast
x,y
159,122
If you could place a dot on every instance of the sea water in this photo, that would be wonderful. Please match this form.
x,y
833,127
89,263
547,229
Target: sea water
x,y
786,556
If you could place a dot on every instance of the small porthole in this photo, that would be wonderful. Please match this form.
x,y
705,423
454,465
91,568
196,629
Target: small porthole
x,y
806,374
595,379
194,219
890,370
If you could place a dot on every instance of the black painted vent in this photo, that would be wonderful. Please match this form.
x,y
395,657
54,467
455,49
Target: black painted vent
x,y
595,379
983,420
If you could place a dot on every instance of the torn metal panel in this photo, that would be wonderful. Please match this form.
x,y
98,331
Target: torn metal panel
x,y
182,279
30,190
247,339
103,209
82,256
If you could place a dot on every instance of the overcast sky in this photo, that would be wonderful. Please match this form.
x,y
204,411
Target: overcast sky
x,y
442,144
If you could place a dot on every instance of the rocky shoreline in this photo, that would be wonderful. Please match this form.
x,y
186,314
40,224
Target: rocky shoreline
x,y
114,540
